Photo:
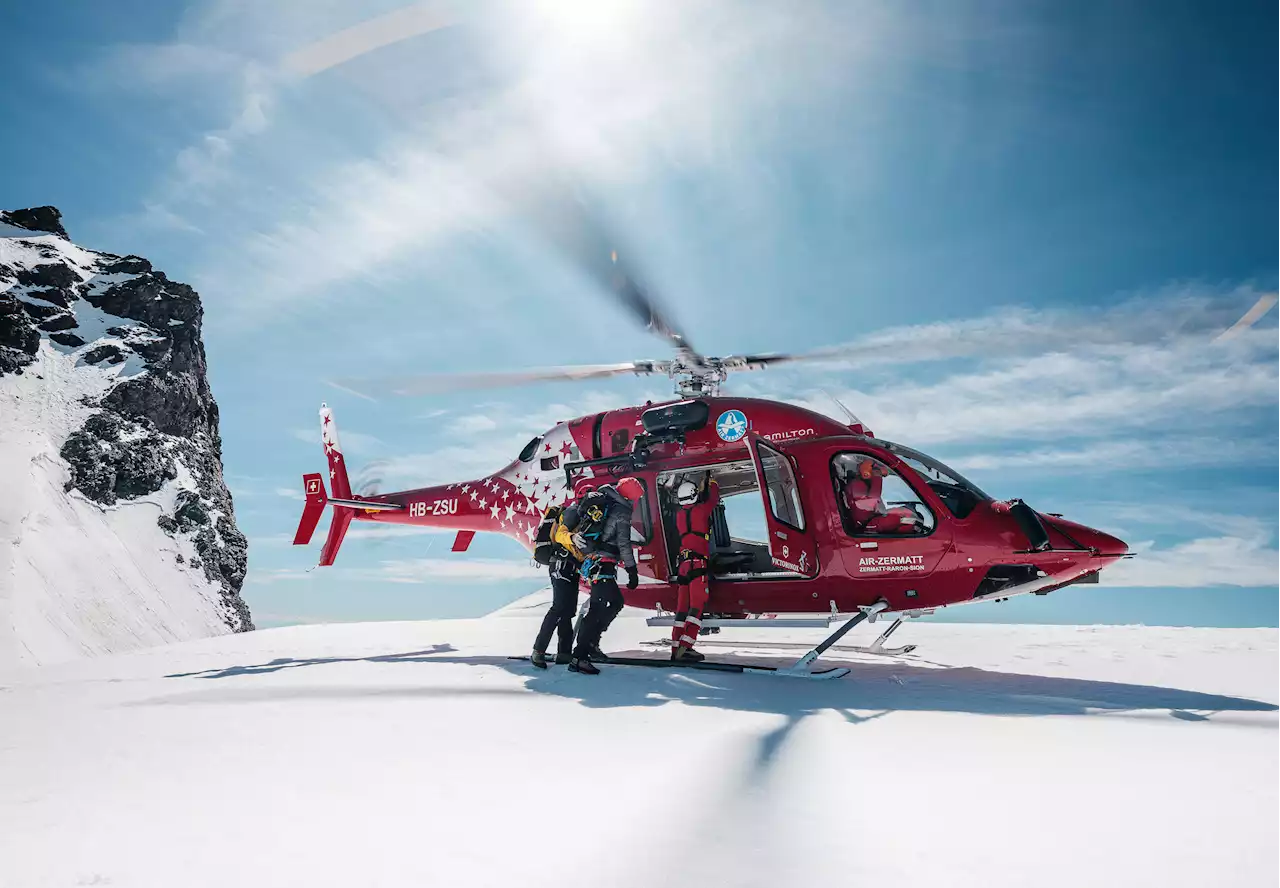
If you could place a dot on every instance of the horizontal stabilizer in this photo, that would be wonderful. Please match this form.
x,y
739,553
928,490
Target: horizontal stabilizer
x,y
313,487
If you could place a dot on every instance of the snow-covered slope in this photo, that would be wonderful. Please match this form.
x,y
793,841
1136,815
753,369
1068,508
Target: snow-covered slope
x,y
414,754
116,529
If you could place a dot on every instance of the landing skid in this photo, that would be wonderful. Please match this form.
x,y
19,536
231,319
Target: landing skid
x,y
876,647
873,648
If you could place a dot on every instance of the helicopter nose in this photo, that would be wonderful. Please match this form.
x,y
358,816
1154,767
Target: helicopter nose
x,y
1104,545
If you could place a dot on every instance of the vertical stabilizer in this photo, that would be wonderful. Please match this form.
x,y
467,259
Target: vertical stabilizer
x,y
337,530
333,451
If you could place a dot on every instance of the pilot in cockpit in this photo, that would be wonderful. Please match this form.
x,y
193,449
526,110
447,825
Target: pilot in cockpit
x,y
861,495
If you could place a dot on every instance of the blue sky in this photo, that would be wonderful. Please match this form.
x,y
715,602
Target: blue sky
x,y
1087,189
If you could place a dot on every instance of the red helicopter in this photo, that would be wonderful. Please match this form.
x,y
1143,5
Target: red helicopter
x,y
854,527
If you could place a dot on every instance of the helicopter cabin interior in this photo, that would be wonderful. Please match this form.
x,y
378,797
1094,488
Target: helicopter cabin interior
x,y
739,542
873,501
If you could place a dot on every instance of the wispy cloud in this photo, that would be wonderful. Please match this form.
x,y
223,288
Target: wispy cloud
x,y
484,442
1208,561
224,80
609,90
279,575
1122,455
472,423
420,570
360,532
1149,365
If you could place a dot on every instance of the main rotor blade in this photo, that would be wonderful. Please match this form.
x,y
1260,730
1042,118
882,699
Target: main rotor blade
x,y
437,383
1020,333
563,220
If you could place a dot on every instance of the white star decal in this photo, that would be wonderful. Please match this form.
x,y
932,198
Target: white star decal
x,y
474,496
510,513
529,532
466,487
494,511
506,495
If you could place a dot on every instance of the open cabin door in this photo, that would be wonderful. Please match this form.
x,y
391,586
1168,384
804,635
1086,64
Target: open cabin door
x,y
791,540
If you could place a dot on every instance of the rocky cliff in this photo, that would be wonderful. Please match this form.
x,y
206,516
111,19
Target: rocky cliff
x,y
116,527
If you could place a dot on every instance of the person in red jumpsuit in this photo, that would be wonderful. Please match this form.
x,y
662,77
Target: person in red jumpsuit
x,y
862,497
693,573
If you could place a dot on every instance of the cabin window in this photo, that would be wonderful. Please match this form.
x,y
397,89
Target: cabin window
x,y
641,523
875,501
550,463
530,449
959,497
780,481
619,440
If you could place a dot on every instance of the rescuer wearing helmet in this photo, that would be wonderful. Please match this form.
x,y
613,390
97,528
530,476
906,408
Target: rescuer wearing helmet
x,y
863,490
693,522
604,532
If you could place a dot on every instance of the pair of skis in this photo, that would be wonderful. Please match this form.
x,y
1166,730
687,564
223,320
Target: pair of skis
x,y
712,666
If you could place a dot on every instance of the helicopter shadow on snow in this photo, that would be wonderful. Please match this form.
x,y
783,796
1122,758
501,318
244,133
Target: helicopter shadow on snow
x,y
874,689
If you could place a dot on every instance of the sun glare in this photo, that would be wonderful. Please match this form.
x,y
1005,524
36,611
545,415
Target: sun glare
x,y
592,21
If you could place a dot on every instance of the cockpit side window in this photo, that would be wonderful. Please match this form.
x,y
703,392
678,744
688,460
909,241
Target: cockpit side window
x,y
959,496
530,449
874,500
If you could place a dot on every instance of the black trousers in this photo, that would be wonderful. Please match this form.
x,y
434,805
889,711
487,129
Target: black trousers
x,y
559,619
606,603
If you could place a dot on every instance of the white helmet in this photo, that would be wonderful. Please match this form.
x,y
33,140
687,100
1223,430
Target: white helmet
x,y
687,493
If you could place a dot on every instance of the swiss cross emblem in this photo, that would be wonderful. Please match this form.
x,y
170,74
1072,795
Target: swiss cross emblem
x,y
313,486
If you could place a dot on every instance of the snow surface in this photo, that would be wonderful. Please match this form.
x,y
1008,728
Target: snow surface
x,y
418,754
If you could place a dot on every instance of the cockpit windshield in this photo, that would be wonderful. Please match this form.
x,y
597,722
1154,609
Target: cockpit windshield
x,y
959,494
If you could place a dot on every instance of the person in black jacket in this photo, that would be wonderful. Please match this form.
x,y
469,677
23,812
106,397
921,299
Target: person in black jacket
x,y
565,565
604,552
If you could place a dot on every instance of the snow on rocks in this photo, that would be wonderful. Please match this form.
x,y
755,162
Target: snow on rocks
x,y
106,417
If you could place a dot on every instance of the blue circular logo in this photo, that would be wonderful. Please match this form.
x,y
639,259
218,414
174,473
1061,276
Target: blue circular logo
x,y
732,425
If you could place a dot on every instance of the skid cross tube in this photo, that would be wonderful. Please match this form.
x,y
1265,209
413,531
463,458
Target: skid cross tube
x,y
803,662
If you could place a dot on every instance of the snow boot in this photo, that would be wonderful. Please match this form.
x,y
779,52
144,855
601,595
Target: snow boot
x,y
596,655
686,655
583,665
539,659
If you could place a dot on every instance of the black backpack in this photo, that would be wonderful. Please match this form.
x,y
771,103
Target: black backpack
x,y
592,510
544,546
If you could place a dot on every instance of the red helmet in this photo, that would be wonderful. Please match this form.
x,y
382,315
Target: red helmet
x,y
869,468
631,488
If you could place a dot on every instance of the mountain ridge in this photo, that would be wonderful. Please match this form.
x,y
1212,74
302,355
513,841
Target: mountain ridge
x,y
105,408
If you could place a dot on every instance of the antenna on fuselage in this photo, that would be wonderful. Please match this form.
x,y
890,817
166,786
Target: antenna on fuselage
x,y
853,420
